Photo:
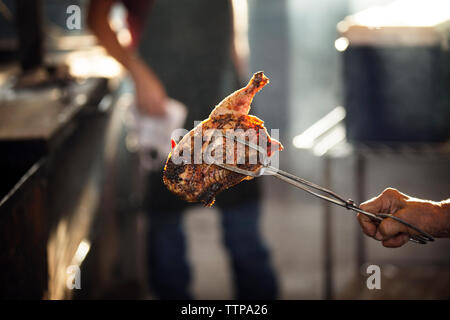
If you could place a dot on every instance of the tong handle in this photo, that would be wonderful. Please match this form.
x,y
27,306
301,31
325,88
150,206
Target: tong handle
x,y
422,237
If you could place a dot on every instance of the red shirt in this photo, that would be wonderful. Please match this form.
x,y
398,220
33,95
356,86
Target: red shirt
x,y
137,12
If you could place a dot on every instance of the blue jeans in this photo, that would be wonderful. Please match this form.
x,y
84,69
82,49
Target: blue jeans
x,y
252,273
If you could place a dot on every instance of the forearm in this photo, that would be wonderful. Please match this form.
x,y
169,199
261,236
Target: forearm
x,y
150,93
99,24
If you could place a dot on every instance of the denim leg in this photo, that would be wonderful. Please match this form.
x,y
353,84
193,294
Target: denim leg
x,y
253,273
169,273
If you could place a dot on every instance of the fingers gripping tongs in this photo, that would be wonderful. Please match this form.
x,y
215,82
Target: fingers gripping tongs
x,y
317,191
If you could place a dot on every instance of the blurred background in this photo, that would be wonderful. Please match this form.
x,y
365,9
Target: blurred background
x,y
359,90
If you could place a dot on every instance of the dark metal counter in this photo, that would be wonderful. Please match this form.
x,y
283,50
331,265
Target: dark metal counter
x,y
51,142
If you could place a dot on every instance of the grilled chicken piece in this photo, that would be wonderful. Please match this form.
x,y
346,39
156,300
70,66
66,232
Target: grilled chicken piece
x,y
197,181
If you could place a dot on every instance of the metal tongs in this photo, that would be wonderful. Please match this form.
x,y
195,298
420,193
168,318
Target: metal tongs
x,y
422,237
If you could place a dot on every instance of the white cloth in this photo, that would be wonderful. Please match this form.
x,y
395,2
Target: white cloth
x,y
153,135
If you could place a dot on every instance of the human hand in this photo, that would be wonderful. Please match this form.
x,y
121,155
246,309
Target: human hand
x,y
426,215
150,93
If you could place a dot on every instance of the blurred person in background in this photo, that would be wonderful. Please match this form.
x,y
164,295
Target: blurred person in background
x,y
189,46
432,217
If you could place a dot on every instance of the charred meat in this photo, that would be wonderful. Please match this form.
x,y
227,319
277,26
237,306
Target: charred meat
x,y
186,172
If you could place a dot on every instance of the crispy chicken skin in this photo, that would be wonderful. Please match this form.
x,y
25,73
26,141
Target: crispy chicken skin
x,y
202,182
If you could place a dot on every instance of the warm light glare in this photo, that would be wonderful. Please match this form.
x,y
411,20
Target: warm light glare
x,y
343,26
306,139
82,251
83,65
333,138
341,44
405,13
124,37
240,12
